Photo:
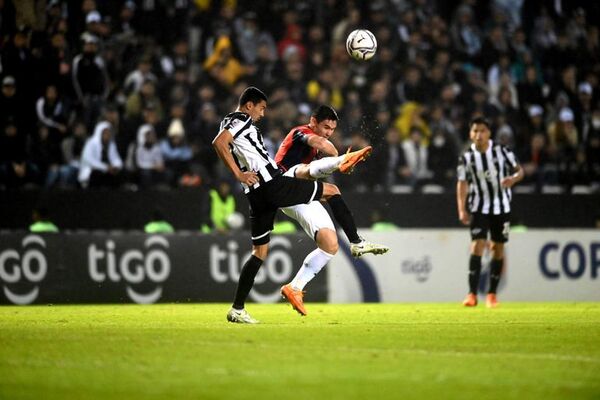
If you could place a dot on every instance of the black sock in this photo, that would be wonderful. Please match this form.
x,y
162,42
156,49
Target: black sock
x,y
495,272
474,272
249,271
343,216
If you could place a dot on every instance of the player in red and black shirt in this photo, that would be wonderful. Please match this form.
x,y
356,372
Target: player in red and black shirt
x,y
296,156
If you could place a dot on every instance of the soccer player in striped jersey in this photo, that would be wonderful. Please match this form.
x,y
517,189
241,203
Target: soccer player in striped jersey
x,y
296,156
240,146
486,172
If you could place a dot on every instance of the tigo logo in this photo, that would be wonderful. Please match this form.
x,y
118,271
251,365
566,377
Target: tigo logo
x,y
30,266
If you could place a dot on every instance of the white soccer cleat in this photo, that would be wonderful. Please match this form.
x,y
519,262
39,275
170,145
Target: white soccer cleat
x,y
364,247
240,317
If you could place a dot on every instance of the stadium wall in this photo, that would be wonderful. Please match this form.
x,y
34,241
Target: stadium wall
x,y
186,209
424,265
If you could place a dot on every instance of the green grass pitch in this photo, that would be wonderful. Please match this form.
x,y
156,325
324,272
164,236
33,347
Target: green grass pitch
x,y
365,351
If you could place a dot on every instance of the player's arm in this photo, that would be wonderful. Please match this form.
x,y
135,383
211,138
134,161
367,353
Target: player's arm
x,y
462,189
221,144
517,170
322,145
516,177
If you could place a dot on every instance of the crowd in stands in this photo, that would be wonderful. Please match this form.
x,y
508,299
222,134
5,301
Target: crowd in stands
x,y
130,94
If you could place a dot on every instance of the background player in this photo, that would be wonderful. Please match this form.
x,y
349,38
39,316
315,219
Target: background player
x,y
486,172
295,156
240,146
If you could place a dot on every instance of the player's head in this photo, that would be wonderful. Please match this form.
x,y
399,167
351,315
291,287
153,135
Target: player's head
x,y
323,121
479,131
253,102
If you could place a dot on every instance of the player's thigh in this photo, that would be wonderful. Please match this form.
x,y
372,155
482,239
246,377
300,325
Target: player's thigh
x,y
500,227
479,226
287,191
312,217
300,171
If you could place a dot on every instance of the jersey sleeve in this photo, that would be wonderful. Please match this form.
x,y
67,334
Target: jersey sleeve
x,y
461,169
510,156
236,124
300,137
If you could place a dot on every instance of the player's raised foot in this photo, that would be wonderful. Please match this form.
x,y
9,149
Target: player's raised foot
x,y
364,247
491,301
470,300
240,317
294,297
352,158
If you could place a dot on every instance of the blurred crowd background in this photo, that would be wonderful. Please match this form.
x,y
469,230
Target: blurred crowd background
x,y
130,94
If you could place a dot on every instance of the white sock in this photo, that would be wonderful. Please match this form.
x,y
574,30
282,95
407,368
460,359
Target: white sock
x,y
311,266
325,166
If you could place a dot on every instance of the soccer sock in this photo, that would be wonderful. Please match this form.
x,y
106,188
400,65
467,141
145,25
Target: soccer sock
x,y
249,271
311,266
495,272
343,216
324,167
474,272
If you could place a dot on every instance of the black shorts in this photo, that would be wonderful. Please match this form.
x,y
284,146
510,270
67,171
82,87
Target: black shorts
x,y
282,191
497,225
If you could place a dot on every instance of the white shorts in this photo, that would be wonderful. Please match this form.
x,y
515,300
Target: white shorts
x,y
312,216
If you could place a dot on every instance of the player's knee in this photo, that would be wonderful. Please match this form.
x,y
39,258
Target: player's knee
x,y
327,241
303,172
260,251
497,250
477,247
330,190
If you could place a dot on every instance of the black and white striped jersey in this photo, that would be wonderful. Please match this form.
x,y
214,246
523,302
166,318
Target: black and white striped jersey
x,y
248,149
484,172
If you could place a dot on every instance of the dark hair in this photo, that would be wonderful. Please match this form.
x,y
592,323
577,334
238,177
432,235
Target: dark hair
x,y
322,113
252,94
480,120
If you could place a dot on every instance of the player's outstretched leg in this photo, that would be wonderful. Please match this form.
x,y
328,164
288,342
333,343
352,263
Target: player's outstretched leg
x,y
328,165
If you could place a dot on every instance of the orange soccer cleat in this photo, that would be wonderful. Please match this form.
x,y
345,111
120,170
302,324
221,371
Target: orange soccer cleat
x,y
470,300
353,158
491,301
294,297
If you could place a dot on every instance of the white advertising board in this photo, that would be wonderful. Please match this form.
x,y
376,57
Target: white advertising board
x,y
431,265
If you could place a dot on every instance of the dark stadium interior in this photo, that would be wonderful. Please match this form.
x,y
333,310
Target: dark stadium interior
x,y
175,68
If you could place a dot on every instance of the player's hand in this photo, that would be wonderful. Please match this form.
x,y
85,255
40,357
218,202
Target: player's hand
x,y
507,182
464,217
249,178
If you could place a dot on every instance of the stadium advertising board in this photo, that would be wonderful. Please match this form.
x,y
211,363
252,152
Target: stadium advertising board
x,y
431,265
144,269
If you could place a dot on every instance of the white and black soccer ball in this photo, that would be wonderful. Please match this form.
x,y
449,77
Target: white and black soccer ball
x,y
361,44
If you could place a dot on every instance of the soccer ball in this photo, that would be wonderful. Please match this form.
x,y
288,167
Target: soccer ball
x,y
361,44
235,220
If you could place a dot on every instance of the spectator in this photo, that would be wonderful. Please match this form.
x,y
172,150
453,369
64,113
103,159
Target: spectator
x,y
16,169
441,159
222,65
222,205
176,153
416,155
100,162
147,158
143,73
90,80
72,147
